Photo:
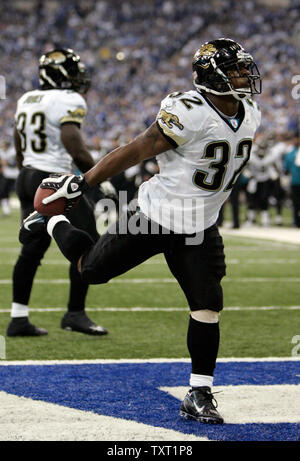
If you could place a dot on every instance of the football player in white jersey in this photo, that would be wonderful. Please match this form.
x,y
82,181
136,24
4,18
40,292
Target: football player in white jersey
x,y
202,139
48,140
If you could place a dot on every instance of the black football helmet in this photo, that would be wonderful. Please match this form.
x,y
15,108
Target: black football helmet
x,y
211,63
62,69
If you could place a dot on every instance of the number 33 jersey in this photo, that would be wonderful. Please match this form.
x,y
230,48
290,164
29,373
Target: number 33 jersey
x,y
38,119
197,175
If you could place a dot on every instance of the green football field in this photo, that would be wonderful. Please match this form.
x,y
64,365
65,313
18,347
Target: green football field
x,y
145,311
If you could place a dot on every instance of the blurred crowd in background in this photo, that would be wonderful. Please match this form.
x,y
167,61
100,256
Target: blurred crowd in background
x,y
137,53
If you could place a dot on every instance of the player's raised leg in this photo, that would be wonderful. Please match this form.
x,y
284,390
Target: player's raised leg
x,y
116,252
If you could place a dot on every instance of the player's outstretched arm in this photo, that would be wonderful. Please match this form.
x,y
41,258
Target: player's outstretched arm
x,y
148,144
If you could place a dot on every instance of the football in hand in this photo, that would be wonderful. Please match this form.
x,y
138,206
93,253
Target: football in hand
x,y
51,209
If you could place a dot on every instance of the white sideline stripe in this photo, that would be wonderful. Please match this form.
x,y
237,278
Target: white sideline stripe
x,y
246,404
170,280
272,246
284,234
281,237
153,360
35,420
157,309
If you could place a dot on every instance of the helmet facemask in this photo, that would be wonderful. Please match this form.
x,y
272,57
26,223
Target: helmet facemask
x,y
252,75
79,78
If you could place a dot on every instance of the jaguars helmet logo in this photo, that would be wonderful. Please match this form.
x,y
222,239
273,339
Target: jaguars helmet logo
x,y
169,119
54,58
204,54
207,50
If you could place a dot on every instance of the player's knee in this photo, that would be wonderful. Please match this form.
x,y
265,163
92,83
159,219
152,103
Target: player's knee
x,y
93,272
206,296
79,264
36,249
93,277
28,262
72,242
205,316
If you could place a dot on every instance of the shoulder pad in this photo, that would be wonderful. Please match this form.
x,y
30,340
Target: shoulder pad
x,y
70,97
178,116
73,107
184,104
253,104
187,99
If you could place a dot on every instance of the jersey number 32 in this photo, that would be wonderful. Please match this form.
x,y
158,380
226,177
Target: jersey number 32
x,y
218,169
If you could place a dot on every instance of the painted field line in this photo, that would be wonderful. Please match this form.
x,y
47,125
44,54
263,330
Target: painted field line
x,y
152,360
275,234
262,248
244,262
157,309
239,248
107,309
167,280
65,262
38,420
8,249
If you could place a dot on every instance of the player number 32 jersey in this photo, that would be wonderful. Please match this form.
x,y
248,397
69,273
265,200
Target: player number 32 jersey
x,y
38,118
197,175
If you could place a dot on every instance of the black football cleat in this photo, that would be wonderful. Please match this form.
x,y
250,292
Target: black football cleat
x,y
79,321
199,404
33,224
21,326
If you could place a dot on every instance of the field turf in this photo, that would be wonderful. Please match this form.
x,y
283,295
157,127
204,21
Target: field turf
x,y
145,311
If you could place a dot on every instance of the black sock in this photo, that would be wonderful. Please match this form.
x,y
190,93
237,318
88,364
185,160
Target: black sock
x,y
203,345
23,276
78,290
71,241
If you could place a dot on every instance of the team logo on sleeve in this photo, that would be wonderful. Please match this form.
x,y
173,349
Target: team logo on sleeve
x,y
76,115
169,119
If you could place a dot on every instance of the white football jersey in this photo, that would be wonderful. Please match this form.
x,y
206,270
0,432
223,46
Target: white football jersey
x,y
197,175
38,118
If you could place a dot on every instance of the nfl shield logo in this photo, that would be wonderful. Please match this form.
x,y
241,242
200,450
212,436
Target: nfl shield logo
x,y
234,123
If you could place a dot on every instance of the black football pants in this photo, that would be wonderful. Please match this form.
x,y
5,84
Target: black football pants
x,y
197,268
32,253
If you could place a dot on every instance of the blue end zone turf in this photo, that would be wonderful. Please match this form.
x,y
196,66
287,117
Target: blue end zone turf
x,y
131,391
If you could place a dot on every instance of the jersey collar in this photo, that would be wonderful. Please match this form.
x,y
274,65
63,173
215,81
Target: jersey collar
x,y
238,118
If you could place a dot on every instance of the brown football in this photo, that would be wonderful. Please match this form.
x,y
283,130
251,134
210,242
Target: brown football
x,y
51,209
